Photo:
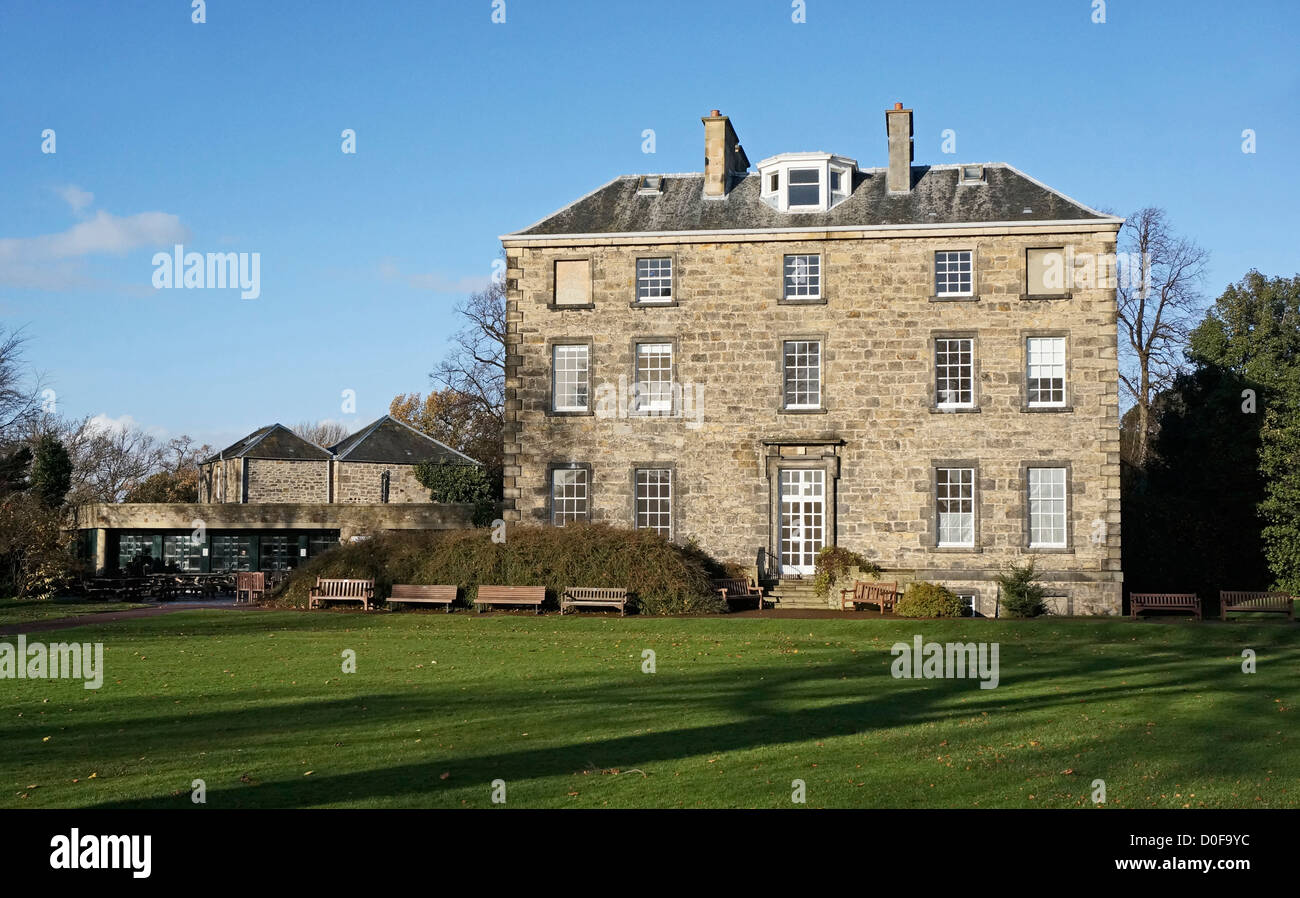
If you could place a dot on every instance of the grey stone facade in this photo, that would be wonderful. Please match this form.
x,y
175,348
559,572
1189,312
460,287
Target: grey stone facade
x,y
877,435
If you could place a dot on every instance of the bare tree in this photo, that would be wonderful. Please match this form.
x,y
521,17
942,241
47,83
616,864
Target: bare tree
x,y
475,369
1158,297
19,388
322,433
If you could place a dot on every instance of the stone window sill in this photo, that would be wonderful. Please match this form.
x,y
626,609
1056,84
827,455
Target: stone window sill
x,y
955,550
570,307
960,410
635,304
972,298
802,411
1034,297
1046,409
801,301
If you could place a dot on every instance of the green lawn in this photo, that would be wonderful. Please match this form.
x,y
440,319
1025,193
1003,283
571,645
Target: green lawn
x,y
24,611
441,705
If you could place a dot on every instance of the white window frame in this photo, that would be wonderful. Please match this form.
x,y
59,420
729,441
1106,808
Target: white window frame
x,y
948,520
654,396
965,371
1048,502
801,354
1038,369
557,371
655,280
820,172
947,260
574,507
660,479
787,286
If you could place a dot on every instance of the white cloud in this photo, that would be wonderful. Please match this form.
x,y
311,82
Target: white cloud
x,y
76,198
389,270
102,423
52,261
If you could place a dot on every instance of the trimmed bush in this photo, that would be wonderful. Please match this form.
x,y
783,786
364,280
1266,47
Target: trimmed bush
x,y
660,577
923,599
1022,594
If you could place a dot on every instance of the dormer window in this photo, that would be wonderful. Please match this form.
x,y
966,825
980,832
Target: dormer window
x,y
806,182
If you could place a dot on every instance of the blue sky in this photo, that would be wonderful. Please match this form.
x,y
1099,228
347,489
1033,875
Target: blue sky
x,y
227,135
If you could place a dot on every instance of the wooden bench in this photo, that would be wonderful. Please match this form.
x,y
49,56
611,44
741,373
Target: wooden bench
x,y
250,586
1164,601
594,597
865,592
1261,602
423,595
330,590
510,595
739,589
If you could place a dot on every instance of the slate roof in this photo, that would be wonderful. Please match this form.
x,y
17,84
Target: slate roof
x,y
272,441
936,198
389,441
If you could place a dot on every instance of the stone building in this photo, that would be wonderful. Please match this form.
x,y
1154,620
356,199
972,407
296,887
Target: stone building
x,y
375,465
272,499
915,362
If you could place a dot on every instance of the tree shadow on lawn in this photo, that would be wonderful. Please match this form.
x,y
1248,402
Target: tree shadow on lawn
x,y
857,699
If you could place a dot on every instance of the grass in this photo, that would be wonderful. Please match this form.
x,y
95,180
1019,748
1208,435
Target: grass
x,y
256,705
26,611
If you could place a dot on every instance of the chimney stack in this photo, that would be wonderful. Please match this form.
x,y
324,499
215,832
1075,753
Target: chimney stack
x,y
898,123
723,156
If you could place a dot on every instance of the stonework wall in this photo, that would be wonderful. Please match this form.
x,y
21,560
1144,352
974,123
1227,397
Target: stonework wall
x,y
362,482
878,433
220,481
276,480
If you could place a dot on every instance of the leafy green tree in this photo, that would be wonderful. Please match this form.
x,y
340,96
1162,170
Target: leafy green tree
x,y
14,467
51,471
1253,332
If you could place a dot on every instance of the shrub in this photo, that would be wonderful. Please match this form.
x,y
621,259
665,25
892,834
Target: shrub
x,y
1022,595
834,562
451,482
660,577
36,554
923,599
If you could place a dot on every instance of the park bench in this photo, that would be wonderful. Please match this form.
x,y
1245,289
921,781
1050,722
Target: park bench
x,y
738,589
1261,602
330,590
594,597
423,595
1164,601
510,595
250,586
867,593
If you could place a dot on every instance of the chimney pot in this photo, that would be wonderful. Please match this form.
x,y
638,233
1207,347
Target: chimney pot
x,y
898,105
715,113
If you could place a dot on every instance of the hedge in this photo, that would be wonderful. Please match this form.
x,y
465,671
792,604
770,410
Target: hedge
x,y
660,577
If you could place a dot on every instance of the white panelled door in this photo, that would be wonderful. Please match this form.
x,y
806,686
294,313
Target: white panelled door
x,y
803,519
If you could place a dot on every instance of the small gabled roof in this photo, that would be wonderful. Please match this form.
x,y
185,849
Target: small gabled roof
x,y
273,441
391,442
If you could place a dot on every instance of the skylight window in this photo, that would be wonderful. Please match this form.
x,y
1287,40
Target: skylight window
x,y
972,174
650,185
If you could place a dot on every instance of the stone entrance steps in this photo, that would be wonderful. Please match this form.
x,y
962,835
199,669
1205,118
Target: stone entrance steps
x,y
796,593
